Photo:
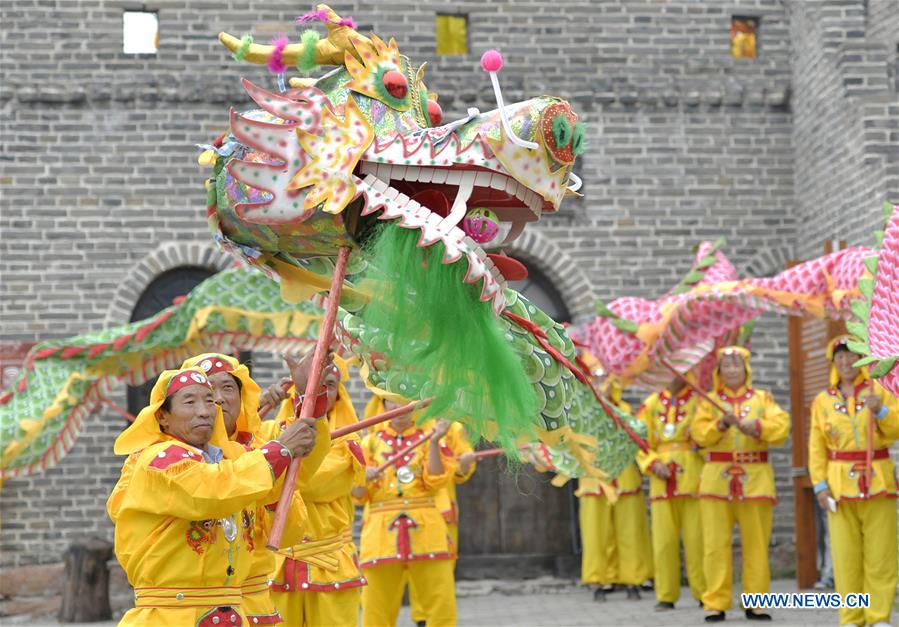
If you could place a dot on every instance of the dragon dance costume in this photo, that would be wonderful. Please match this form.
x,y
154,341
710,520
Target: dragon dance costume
x,y
863,527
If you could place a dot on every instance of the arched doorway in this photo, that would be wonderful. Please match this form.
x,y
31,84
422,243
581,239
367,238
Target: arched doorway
x,y
159,294
513,523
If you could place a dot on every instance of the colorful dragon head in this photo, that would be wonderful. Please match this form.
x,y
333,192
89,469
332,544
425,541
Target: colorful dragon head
x,y
319,164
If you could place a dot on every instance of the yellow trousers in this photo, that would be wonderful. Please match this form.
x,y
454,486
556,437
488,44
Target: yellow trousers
x,y
432,582
418,613
318,609
673,519
718,518
615,540
863,542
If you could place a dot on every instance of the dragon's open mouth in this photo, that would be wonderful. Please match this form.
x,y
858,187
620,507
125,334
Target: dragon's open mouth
x,y
435,201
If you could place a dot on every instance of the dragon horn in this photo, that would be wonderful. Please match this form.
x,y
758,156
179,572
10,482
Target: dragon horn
x,y
328,51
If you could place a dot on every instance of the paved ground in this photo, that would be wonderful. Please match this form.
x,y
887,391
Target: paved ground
x,y
558,603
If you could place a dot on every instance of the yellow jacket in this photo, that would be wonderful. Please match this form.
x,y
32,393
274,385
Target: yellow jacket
x,y
404,522
739,479
252,434
669,421
326,558
840,425
184,529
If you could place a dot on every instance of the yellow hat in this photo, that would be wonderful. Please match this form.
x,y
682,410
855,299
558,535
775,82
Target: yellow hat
x,y
145,431
743,352
248,420
830,353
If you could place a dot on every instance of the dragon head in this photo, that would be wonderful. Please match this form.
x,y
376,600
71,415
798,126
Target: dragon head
x,y
319,164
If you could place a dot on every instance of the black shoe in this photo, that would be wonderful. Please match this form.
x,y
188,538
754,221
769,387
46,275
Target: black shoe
x,y
750,615
599,595
664,606
633,593
420,623
648,585
717,617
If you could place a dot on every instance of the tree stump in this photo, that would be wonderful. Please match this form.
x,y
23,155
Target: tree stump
x,y
85,597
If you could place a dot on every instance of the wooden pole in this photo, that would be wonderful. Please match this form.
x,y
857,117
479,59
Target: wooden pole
x,y
695,387
374,420
267,408
322,346
489,452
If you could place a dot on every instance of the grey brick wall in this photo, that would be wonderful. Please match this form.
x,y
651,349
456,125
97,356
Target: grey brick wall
x,y
685,143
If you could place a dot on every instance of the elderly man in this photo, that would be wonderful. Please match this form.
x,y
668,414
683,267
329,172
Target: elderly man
x,y
185,505
237,394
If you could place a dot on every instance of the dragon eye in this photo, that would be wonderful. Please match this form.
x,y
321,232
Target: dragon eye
x,y
395,84
561,131
435,113
390,86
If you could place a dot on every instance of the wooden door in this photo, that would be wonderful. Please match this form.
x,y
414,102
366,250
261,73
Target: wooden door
x,y
513,523
809,372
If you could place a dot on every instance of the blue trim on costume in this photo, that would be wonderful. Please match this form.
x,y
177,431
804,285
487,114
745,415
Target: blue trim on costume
x,y
820,486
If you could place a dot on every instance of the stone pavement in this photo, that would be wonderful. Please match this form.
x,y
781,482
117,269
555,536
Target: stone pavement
x,y
548,602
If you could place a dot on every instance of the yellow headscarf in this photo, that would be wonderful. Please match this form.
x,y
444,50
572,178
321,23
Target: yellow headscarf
x,y
834,378
743,352
343,413
145,431
248,420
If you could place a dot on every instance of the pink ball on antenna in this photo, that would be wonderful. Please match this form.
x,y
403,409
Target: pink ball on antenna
x,y
492,61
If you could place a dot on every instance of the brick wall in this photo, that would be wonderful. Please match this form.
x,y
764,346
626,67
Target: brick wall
x,y
685,143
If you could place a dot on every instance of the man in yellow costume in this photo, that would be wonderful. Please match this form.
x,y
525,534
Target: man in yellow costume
x,y
185,504
238,396
615,541
316,582
737,483
457,441
860,498
404,530
674,466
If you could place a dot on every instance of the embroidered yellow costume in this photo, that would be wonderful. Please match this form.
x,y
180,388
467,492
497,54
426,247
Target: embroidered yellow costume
x,y
404,530
615,541
863,528
673,501
457,442
316,581
737,483
184,517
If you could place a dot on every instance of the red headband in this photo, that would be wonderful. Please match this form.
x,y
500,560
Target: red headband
x,y
184,379
214,364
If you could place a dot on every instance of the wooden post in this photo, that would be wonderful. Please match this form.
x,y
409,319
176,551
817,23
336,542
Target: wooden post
x,y
808,338
85,596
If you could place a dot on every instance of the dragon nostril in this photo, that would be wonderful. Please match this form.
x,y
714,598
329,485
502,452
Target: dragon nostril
x,y
395,84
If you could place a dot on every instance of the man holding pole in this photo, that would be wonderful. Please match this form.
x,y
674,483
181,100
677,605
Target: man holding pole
x,y
184,506
854,422
404,531
316,582
736,425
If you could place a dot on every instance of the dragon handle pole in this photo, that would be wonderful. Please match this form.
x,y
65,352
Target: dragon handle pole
x,y
374,420
695,387
322,347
